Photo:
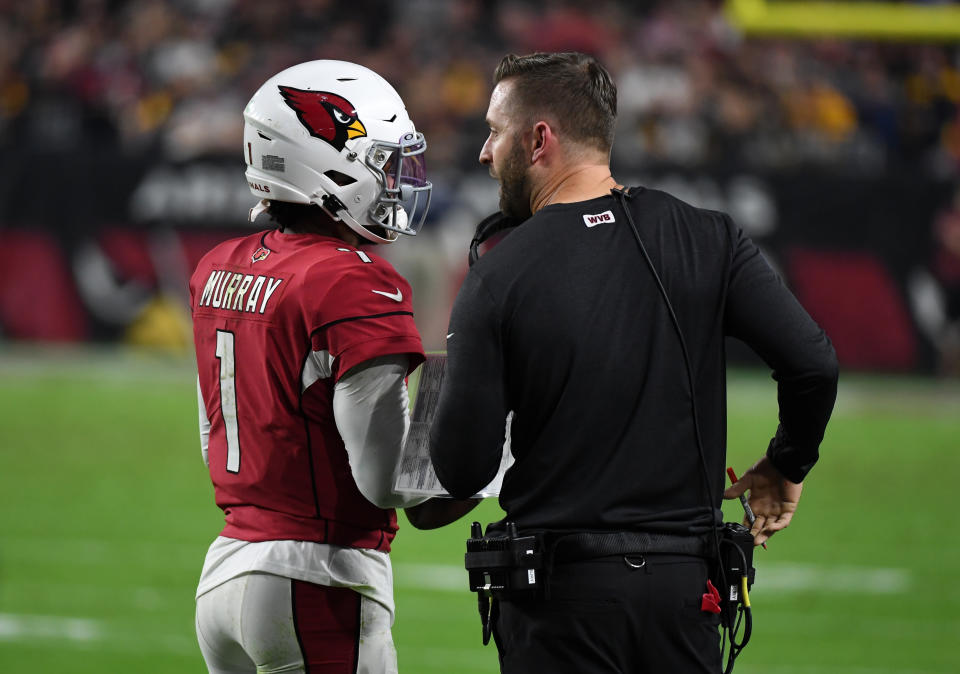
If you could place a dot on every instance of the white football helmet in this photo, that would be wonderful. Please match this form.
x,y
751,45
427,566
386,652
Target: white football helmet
x,y
337,135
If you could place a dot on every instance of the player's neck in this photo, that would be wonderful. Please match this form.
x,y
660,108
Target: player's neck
x,y
578,183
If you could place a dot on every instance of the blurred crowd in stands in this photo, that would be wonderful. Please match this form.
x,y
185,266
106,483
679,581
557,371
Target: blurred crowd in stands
x,y
173,76
132,110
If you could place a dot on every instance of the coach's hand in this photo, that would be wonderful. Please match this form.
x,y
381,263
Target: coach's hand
x,y
773,498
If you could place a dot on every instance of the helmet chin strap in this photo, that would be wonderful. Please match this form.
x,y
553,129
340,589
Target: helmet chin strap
x,y
364,231
341,214
261,206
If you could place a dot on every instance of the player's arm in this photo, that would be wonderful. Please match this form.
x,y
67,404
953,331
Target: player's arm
x,y
439,512
204,426
371,409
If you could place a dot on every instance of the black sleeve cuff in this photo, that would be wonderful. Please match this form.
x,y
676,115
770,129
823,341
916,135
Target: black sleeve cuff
x,y
792,461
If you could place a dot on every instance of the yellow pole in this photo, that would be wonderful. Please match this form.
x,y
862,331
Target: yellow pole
x,y
864,20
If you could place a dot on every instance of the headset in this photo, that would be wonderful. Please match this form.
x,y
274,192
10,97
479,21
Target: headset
x,y
732,538
488,227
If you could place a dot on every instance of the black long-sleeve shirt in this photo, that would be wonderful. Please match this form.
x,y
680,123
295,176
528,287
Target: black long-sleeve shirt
x,y
562,322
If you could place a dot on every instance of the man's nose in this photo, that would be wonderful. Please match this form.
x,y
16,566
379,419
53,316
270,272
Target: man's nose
x,y
485,156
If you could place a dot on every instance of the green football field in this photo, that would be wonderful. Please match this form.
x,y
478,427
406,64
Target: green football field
x,y
106,511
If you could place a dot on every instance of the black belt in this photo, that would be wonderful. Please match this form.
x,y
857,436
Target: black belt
x,y
586,545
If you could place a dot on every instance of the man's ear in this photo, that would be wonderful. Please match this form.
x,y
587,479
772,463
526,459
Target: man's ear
x,y
542,141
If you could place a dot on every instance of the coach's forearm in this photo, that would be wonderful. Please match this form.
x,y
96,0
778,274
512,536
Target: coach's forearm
x,y
438,512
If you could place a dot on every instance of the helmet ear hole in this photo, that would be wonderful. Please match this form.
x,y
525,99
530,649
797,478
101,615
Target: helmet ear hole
x,y
341,179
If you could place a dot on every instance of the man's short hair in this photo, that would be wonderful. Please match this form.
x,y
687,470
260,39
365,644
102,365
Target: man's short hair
x,y
572,89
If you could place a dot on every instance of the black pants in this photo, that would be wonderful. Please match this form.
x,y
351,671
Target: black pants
x,y
604,615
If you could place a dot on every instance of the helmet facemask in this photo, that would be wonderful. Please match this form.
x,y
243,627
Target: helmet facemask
x,y
404,198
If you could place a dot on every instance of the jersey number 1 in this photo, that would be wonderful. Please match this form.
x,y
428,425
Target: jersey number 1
x,y
228,398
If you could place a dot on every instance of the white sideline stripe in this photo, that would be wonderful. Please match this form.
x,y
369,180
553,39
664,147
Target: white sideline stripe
x,y
771,578
17,627
443,577
848,579
84,633
80,632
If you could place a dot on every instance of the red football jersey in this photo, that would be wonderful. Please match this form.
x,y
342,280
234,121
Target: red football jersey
x,y
278,318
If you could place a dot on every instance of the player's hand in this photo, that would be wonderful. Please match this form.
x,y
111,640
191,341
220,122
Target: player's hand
x,y
773,498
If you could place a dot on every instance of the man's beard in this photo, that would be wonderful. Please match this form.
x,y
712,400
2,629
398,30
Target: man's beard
x,y
514,184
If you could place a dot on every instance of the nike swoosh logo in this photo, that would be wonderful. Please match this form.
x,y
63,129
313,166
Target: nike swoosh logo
x,y
396,297
450,335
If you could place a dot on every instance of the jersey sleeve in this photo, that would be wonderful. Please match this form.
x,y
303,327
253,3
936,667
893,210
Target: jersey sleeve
x,y
367,312
762,312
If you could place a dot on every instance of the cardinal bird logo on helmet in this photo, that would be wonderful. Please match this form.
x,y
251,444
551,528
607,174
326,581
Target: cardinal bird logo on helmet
x,y
325,115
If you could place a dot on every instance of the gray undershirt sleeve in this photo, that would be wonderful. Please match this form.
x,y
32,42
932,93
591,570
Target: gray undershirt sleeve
x,y
371,409
204,425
